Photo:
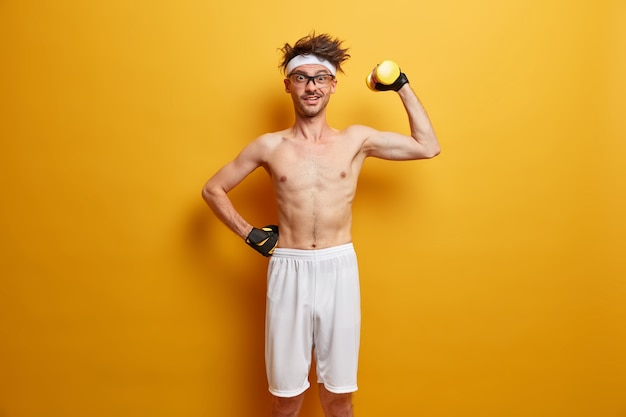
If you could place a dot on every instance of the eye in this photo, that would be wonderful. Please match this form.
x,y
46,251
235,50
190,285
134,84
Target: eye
x,y
300,78
321,78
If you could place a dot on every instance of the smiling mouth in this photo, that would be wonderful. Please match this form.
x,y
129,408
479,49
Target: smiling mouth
x,y
311,99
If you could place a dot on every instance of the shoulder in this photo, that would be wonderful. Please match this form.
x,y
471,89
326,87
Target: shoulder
x,y
267,139
360,134
261,147
359,131
264,142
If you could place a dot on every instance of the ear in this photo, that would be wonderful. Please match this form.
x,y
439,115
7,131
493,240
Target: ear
x,y
286,81
333,86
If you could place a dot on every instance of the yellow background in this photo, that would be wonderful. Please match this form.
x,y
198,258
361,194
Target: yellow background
x,y
493,276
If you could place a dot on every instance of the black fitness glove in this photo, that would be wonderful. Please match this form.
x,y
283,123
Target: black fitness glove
x,y
263,240
395,86
386,76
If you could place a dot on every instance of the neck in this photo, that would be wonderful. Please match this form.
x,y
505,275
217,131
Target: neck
x,y
311,128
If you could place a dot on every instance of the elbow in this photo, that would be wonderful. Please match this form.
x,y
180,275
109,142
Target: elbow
x,y
205,194
434,152
429,145
434,149
208,194
431,152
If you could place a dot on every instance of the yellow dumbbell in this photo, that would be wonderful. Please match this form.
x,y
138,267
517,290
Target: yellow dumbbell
x,y
386,73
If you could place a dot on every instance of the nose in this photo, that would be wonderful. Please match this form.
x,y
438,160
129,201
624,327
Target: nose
x,y
312,87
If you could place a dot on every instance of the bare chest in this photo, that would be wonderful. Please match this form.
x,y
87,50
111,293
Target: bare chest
x,y
298,166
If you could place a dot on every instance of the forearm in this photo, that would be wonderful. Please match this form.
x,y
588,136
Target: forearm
x,y
421,128
224,210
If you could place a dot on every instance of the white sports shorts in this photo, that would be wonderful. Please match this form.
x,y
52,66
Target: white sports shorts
x,y
313,304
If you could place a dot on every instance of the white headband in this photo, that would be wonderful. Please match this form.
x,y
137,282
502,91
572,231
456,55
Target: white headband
x,y
309,59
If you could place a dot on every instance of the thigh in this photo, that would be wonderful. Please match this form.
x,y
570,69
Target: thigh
x,y
288,327
338,326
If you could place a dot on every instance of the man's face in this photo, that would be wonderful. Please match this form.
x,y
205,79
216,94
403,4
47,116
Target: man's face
x,y
310,87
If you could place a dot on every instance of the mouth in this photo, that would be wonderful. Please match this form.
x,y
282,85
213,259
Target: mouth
x,y
311,99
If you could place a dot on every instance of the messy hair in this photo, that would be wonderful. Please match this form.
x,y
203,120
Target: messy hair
x,y
324,46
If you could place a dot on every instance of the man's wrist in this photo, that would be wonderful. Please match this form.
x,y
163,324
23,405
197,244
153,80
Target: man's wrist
x,y
245,232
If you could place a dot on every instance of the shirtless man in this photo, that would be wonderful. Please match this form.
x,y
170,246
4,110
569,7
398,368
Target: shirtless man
x,y
313,301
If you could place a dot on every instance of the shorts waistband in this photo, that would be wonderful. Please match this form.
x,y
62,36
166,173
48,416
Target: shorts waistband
x,y
325,253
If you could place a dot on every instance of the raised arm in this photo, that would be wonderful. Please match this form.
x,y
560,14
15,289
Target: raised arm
x,y
422,143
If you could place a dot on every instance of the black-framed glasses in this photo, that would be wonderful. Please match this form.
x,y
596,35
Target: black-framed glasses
x,y
320,80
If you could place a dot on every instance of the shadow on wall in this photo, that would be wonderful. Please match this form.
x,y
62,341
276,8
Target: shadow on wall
x,y
234,276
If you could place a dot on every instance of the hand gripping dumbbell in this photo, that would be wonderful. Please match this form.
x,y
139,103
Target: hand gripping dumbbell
x,y
386,76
